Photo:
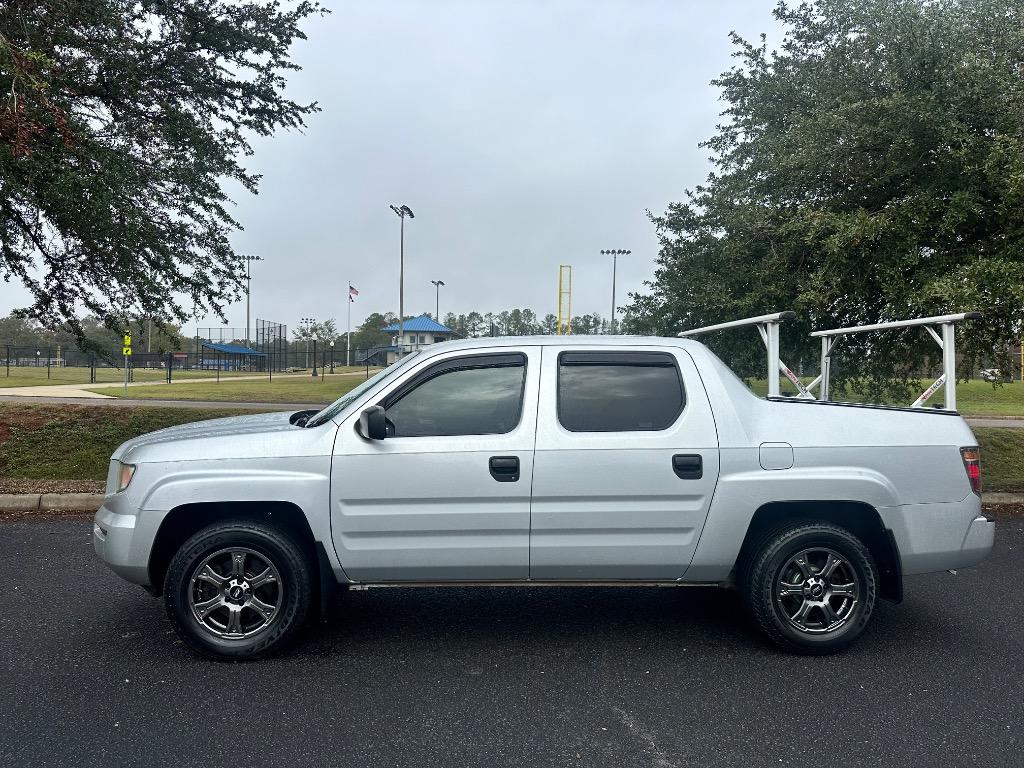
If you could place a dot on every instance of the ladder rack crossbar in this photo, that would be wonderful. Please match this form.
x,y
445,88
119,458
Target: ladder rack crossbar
x,y
937,320
775,317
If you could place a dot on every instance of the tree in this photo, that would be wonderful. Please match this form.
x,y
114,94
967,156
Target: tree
x,y
325,330
475,325
369,334
870,169
119,124
585,325
19,331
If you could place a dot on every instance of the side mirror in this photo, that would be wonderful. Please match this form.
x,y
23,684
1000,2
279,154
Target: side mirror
x,y
372,424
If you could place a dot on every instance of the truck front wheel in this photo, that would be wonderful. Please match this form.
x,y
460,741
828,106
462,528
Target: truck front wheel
x,y
812,587
238,590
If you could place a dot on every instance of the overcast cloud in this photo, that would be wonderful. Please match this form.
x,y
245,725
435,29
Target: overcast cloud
x,y
524,135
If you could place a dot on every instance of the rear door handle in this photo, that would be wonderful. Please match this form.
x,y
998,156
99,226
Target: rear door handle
x,y
505,469
688,466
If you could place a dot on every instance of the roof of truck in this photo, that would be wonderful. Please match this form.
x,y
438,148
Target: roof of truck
x,y
563,341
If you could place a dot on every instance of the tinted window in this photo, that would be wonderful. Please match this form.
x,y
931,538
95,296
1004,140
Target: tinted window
x,y
618,391
471,396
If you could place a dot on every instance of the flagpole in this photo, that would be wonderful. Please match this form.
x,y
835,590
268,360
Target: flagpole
x,y
348,334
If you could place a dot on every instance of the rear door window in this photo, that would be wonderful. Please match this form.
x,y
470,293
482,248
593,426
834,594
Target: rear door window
x,y
619,391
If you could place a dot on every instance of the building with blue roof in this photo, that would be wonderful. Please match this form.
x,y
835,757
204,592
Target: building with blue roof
x,y
417,332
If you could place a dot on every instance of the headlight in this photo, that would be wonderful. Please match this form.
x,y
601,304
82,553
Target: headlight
x,y
124,476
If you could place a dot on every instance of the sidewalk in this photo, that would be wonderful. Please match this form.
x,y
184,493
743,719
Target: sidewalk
x,y
81,391
58,393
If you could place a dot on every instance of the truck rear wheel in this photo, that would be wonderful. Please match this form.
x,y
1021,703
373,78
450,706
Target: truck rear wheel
x,y
238,590
812,587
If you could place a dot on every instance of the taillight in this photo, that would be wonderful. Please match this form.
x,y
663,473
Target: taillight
x,y
972,463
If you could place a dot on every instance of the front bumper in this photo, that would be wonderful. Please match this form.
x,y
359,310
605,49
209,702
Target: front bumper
x,y
118,545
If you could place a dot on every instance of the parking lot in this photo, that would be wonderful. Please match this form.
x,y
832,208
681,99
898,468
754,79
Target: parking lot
x,y
91,674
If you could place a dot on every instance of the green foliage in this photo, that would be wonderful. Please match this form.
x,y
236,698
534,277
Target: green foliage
x,y
119,124
1002,458
321,330
870,169
519,322
92,334
75,442
369,334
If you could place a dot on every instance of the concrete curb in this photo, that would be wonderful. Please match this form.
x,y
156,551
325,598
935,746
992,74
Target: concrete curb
x,y
32,502
996,497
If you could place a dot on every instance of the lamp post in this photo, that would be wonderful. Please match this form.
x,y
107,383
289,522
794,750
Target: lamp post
x,y
332,355
437,299
248,286
307,322
615,255
402,212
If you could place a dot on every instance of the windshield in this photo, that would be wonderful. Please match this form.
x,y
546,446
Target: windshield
x,y
343,402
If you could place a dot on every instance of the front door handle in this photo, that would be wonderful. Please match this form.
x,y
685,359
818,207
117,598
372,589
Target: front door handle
x,y
688,466
504,469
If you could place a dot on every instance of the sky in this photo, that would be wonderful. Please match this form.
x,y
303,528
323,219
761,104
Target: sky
x,y
523,135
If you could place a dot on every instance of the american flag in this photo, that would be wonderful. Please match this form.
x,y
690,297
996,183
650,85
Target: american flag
x,y
352,293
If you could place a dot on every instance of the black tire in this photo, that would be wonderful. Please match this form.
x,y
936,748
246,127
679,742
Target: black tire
x,y
288,590
800,621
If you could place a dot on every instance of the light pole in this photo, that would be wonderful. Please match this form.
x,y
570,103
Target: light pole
x,y
437,299
332,355
402,212
615,255
307,322
248,285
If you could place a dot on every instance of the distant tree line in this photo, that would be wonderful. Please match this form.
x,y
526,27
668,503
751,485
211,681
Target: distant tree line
x,y
167,337
23,332
473,325
520,322
514,322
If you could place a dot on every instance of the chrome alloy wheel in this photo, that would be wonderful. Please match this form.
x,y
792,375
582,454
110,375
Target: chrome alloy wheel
x,y
817,590
235,593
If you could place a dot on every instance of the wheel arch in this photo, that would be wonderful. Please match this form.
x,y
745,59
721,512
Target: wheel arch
x,y
859,518
185,520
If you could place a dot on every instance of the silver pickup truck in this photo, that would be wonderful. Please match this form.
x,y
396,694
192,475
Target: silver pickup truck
x,y
525,461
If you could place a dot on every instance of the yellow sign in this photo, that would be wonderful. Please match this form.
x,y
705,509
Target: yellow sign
x,y
127,341
126,351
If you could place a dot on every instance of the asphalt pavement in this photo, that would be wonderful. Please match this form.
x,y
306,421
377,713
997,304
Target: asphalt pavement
x,y
91,674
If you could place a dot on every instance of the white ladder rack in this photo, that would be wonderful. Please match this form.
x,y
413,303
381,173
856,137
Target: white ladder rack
x,y
768,327
945,338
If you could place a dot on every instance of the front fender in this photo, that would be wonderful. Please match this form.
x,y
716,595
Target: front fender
x,y
303,482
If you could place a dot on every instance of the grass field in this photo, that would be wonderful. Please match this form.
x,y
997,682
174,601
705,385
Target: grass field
x,y
974,398
74,442
31,376
1002,458
283,389
36,377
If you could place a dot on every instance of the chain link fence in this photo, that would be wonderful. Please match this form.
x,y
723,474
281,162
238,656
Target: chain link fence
x,y
33,364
